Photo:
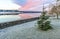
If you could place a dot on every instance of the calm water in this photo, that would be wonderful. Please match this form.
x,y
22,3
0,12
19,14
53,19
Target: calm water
x,y
8,18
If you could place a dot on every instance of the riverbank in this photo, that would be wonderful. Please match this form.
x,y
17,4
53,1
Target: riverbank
x,y
29,31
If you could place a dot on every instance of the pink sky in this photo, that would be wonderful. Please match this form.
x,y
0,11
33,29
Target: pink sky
x,y
30,4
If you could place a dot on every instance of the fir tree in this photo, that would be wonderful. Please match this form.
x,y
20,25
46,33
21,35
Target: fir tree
x,y
43,22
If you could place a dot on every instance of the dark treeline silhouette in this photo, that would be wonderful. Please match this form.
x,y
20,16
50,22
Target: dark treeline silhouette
x,y
15,12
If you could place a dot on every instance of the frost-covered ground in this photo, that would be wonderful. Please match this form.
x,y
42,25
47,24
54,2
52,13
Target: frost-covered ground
x,y
29,31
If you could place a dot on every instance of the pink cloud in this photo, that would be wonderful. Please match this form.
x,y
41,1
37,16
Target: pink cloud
x,y
30,4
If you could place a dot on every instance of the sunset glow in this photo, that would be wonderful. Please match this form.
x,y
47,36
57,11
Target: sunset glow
x,y
23,4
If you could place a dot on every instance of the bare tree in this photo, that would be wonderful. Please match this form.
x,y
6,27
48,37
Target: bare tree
x,y
55,9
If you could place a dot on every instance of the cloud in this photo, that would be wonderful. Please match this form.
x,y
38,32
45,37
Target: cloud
x,y
7,4
36,4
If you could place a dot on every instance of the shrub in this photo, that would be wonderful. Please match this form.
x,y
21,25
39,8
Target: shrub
x,y
43,22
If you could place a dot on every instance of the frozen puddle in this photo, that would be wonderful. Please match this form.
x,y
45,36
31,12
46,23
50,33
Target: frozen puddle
x,y
8,18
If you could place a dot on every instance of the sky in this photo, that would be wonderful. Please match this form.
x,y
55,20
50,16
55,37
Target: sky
x,y
8,4
22,4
